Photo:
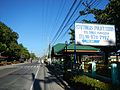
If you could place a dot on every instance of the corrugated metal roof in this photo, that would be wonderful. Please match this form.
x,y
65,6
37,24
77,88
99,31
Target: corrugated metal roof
x,y
81,47
60,47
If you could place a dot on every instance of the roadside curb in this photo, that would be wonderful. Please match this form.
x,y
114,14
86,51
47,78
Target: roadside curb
x,y
67,87
12,65
63,82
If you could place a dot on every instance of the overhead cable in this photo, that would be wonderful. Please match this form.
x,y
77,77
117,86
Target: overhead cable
x,y
77,19
68,21
64,20
58,14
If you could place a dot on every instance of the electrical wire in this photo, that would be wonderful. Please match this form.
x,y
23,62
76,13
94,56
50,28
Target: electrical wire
x,y
90,4
58,15
64,20
76,20
68,21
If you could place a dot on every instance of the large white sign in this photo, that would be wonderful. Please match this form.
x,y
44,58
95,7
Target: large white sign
x,y
95,34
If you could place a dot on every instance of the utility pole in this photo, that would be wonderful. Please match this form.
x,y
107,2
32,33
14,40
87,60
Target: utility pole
x,y
74,49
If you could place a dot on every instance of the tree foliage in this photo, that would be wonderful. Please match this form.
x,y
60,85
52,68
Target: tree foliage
x,y
109,15
9,45
32,56
72,35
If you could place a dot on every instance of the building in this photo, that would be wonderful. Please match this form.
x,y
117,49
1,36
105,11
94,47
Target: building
x,y
60,51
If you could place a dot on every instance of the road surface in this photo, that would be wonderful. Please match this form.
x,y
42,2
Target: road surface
x,y
28,76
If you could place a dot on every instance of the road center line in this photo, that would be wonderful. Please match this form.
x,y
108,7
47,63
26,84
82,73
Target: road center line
x,y
35,78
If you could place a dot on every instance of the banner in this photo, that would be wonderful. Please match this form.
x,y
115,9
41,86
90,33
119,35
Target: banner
x,y
95,34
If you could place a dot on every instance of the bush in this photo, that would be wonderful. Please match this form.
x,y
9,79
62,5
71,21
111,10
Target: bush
x,y
87,83
104,71
67,76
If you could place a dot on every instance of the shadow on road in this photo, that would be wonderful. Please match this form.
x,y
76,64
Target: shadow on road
x,y
47,83
36,85
59,79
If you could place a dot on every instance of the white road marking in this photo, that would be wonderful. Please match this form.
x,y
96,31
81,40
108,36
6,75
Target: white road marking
x,y
34,78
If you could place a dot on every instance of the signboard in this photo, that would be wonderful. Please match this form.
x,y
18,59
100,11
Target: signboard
x,y
95,34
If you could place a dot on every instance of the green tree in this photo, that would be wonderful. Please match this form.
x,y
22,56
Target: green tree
x,y
7,37
23,52
72,35
9,45
32,56
109,15
3,47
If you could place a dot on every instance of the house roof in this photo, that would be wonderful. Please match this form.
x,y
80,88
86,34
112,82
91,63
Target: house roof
x,y
58,48
81,47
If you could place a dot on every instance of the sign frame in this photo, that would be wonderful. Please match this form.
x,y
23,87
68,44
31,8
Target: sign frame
x,y
95,34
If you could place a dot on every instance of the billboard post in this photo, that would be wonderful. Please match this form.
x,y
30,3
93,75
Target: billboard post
x,y
74,54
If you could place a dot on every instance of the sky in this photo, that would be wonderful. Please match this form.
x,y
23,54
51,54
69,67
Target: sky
x,y
37,21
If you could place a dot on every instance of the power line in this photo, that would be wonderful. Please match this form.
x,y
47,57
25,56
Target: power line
x,y
73,13
68,21
86,9
75,19
58,14
78,17
90,4
71,26
64,20
97,3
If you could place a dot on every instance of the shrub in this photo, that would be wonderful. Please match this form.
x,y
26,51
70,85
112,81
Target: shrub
x,y
87,83
104,71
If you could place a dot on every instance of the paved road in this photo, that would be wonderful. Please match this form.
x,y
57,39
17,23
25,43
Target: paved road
x,y
29,76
